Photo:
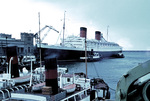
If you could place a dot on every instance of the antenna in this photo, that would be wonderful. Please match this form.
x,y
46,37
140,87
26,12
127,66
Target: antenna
x,y
107,32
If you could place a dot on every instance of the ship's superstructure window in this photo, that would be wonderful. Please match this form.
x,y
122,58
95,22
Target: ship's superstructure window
x,y
95,44
68,79
74,42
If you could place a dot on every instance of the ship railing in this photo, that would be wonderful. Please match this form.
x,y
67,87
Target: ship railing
x,y
78,94
6,93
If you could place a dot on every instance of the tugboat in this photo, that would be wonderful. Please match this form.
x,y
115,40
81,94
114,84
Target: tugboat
x,y
92,57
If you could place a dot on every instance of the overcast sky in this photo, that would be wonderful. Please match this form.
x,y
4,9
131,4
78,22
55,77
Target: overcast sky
x,y
128,20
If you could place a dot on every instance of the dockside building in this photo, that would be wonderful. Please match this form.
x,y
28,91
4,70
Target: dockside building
x,y
24,45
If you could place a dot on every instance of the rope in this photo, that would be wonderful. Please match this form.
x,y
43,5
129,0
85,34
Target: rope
x,y
95,69
98,76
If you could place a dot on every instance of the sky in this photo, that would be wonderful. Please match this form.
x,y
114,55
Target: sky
x,y
128,20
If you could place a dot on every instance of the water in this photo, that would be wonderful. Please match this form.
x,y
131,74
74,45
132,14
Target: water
x,y
110,70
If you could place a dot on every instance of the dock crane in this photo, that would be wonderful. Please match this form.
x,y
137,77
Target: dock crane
x,y
37,37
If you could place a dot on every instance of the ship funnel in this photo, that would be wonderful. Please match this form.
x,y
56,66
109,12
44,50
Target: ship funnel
x,y
51,74
97,35
12,52
83,31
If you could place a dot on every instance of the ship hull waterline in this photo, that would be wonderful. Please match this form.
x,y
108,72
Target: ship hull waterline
x,y
72,55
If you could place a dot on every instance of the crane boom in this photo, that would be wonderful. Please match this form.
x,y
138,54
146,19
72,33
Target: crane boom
x,y
46,26
45,35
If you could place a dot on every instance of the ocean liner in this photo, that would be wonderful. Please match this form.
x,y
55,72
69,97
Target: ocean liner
x,y
73,47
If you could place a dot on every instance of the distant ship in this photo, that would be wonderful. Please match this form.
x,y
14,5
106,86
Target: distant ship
x,y
73,47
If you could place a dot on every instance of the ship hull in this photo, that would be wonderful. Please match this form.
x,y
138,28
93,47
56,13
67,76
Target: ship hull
x,y
72,55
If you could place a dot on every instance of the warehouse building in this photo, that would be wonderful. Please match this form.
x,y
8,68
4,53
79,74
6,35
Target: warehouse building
x,y
24,45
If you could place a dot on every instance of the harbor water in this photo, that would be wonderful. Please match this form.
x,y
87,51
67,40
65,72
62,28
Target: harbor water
x,y
109,69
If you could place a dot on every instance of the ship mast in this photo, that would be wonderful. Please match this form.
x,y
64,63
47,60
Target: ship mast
x,y
63,29
107,32
40,40
86,57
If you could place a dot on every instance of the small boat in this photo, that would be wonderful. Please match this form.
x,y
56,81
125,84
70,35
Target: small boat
x,y
92,57
70,88
16,80
22,79
26,97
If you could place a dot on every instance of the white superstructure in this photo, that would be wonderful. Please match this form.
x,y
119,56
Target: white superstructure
x,y
96,45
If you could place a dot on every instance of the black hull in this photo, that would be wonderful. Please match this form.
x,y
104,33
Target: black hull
x,y
71,55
